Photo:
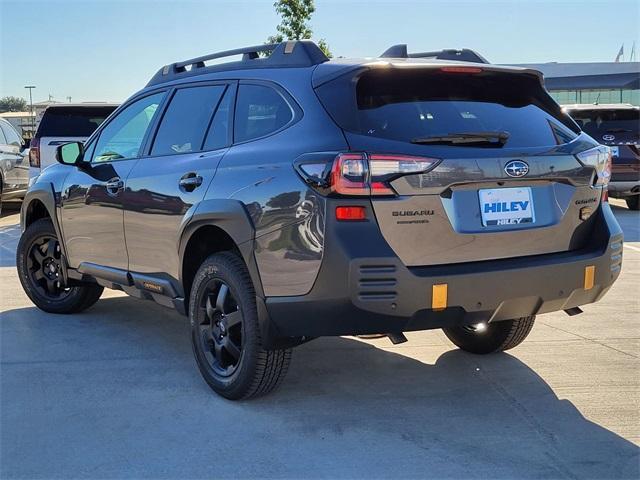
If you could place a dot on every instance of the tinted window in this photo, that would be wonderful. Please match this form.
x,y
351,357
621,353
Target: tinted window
x,y
72,121
186,120
412,104
10,134
123,136
260,110
218,134
622,124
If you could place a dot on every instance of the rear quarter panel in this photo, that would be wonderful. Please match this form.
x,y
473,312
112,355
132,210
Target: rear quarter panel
x,y
288,217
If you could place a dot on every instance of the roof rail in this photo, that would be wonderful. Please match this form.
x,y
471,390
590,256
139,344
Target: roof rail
x,y
463,55
291,53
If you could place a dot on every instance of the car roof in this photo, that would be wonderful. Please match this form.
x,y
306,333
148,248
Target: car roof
x,y
82,105
306,55
599,106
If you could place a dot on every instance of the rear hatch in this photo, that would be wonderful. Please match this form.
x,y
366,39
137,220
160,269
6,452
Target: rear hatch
x,y
620,129
506,181
63,124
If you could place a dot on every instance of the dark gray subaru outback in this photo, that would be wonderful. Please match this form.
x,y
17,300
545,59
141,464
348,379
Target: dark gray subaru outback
x,y
280,198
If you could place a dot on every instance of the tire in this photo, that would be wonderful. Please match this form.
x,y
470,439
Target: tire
x,y
495,337
38,260
633,203
225,334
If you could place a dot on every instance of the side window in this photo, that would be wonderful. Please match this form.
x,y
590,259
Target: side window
x,y
11,135
3,141
123,136
218,134
186,120
260,110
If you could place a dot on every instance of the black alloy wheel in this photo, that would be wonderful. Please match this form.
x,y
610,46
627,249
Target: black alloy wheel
x,y
44,266
221,331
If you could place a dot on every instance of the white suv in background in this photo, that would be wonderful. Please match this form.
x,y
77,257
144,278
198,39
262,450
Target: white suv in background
x,y
64,123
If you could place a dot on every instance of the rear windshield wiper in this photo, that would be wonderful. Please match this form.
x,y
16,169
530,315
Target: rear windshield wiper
x,y
470,139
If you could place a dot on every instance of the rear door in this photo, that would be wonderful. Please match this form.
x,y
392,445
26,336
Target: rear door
x,y
164,187
65,124
513,187
92,195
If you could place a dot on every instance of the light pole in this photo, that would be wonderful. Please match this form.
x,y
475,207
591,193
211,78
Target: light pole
x,y
33,117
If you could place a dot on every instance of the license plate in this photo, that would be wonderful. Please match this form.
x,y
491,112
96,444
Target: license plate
x,y
506,206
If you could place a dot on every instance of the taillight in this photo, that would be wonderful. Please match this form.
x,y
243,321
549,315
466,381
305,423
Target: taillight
x,y
371,173
600,159
34,152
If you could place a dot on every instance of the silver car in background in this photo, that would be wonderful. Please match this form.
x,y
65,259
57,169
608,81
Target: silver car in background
x,y
14,166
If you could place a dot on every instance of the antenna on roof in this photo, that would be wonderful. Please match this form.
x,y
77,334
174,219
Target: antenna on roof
x,y
462,55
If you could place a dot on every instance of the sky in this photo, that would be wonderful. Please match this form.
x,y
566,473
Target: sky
x,y
106,50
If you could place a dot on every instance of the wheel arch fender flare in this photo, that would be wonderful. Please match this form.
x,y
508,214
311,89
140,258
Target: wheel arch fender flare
x,y
232,218
44,193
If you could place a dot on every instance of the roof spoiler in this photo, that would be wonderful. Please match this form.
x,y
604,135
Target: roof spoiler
x,y
462,55
293,53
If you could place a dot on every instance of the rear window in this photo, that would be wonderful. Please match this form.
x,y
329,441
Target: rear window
x,y
72,121
619,123
407,105
260,110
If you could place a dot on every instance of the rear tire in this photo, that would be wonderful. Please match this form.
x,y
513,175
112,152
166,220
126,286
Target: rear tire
x,y
633,203
39,263
225,333
496,337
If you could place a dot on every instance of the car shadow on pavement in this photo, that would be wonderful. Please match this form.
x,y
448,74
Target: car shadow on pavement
x,y
114,392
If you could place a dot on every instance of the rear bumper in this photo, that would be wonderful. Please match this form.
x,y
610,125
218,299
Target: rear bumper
x,y
362,287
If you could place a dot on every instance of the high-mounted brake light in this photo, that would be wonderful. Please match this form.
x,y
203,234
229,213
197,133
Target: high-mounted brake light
x,y
461,70
370,174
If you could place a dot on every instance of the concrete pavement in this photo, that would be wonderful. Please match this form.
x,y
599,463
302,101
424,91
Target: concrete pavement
x,y
114,392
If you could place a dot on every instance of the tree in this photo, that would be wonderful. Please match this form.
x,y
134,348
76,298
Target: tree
x,y
294,15
13,104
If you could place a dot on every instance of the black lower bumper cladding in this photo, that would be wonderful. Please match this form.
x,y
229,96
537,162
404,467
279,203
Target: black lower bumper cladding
x,y
362,287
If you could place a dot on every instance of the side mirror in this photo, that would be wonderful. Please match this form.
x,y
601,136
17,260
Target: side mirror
x,y
70,153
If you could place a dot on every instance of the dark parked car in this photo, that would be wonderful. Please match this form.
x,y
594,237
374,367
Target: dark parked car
x,y
14,165
618,126
277,199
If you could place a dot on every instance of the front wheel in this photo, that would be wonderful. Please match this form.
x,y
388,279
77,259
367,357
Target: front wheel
x,y
225,333
39,263
492,337
633,203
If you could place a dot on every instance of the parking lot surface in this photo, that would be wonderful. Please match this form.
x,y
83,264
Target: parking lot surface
x,y
114,392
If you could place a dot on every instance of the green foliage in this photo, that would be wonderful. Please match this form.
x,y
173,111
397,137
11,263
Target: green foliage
x,y
13,104
294,15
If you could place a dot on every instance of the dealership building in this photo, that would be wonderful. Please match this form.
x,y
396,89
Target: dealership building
x,y
603,82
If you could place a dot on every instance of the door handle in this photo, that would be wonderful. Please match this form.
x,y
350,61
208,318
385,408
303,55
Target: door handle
x,y
114,185
190,181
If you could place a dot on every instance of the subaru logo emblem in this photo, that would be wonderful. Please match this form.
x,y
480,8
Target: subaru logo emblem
x,y
516,168
608,138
